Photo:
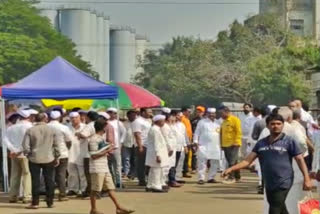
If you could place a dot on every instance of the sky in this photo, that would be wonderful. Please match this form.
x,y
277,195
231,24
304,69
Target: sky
x,y
160,20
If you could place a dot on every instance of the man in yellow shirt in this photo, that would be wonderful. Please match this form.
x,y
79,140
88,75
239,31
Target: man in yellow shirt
x,y
230,141
188,158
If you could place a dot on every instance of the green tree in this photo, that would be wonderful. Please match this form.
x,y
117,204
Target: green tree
x,y
258,62
28,41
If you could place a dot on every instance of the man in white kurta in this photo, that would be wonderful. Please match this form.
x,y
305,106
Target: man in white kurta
x,y
207,138
246,124
77,182
157,155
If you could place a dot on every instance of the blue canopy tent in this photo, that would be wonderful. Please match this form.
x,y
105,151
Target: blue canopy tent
x,y
58,79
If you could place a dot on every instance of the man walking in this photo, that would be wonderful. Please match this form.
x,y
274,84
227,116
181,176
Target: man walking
x,y
207,137
19,162
41,146
246,126
275,153
231,141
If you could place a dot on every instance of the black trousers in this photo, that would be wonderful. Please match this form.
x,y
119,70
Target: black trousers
x,y
61,176
48,174
232,156
140,164
276,200
86,165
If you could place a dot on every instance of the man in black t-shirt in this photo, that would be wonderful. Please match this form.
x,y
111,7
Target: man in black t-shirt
x,y
275,154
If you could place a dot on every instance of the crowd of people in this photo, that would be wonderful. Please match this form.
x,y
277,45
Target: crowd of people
x,y
88,154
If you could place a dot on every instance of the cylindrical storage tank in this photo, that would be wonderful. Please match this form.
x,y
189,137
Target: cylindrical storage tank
x,y
100,53
141,47
52,15
133,53
93,40
120,54
75,24
106,60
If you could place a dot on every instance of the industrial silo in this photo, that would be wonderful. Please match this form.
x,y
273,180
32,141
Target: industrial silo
x,y
93,40
100,53
52,15
121,51
75,24
106,60
133,53
142,44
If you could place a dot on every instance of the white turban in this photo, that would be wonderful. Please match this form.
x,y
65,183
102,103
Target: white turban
x,y
55,114
212,110
32,111
104,114
24,113
74,114
271,107
159,117
166,110
83,112
114,110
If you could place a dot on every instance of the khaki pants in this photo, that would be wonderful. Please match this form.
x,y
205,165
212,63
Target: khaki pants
x,y
20,169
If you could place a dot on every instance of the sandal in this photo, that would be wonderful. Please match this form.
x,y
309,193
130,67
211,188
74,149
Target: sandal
x,y
124,211
95,212
32,207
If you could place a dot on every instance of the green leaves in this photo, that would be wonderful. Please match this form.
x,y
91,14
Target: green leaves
x,y
258,62
28,41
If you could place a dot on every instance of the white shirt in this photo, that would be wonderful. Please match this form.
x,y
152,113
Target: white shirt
x,y
15,134
182,137
142,126
316,158
119,132
129,139
246,124
77,151
64,136
88,131
207,135
99,165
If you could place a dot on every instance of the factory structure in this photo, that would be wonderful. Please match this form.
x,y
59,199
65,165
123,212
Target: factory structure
x,y
302,17
114,52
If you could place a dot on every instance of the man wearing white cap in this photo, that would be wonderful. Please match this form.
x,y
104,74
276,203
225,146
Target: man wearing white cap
x,y
157,155
115,162
77,182
207,138
19,163
65,137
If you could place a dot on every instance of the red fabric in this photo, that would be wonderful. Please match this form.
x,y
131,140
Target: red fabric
x,y
310,206
7,85
139,96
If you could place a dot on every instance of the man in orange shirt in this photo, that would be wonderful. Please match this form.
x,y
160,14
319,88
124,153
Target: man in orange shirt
x,y
186,121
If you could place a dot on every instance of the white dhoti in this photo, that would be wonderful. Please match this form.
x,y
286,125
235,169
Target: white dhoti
x,y
77,181
202,167
155,178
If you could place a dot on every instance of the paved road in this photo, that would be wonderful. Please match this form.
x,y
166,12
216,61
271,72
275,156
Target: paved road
x,y
238,198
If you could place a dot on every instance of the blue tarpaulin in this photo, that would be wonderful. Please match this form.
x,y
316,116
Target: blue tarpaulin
x,y
59,79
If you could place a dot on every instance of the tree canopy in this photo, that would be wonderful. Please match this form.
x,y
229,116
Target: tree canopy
x,y
28,41
258,62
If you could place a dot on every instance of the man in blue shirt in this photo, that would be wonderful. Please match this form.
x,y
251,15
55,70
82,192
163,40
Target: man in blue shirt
x,y
275,154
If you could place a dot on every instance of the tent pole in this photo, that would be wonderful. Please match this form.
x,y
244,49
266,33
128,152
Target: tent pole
x,y
4,146
118,118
